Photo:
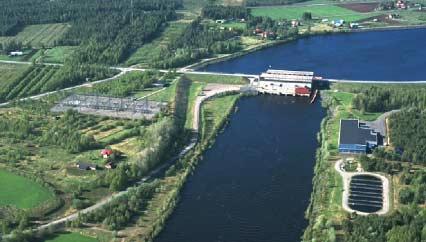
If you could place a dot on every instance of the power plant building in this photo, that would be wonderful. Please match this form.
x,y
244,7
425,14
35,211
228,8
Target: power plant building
x,y
282,82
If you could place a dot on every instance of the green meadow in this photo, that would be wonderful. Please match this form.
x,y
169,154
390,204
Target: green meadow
x,y
21,192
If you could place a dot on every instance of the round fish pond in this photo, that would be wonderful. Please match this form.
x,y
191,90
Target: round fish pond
x,y
365,193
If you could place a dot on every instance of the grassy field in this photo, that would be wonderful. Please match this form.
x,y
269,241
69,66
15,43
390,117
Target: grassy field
x,y
217,79
214,111
21,192
151,51
71,237
58,54
328,11
39,35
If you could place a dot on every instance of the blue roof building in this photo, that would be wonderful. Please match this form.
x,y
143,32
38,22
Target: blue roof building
x,y
356,137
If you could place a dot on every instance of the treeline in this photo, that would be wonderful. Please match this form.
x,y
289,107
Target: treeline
x,y
65,133
407,134
382,99
126,85
222,12
195,42
119,213
415,192
406,225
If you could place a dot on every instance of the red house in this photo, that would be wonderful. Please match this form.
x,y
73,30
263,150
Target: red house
x,y
106,153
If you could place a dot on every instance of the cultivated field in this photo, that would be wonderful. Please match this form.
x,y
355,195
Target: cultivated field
x,y
9,72
326,11
39,35
151,51
24,81
21,192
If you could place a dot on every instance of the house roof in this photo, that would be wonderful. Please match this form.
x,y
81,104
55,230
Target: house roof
x,y
106,152
354,132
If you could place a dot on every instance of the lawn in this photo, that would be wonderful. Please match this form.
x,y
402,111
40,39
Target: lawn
x,y
21,192
71,237
214,111
217,79
151,51
328,11
194,91
39,35
235,25
58,54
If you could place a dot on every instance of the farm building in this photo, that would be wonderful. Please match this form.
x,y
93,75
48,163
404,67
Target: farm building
x,y
16,53
86,166
356,137
281,82
106,153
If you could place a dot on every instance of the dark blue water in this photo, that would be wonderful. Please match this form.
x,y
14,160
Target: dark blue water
x,y
254,184
388,55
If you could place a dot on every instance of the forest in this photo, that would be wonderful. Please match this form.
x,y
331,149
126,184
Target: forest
x,y
221,12
408,129
407,225
382,99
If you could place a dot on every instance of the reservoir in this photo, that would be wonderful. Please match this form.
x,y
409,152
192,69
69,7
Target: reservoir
x,y
385,55
254,184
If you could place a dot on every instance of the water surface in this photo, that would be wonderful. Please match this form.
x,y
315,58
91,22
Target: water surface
x,y
387,55
254,184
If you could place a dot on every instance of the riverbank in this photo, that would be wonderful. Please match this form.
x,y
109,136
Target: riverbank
x,y
325,212
163,205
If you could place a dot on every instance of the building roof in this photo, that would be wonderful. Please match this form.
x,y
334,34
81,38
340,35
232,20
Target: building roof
x,y
106,152
354,132
288,76
85,166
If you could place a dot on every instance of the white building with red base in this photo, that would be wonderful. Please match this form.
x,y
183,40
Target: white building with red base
x,y
281,82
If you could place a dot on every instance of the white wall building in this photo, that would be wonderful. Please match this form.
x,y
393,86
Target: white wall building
x,y
281,82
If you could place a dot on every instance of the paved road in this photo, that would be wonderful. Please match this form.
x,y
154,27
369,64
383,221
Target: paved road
x,y
346,176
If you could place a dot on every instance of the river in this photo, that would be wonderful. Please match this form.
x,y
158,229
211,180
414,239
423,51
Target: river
x,y
254,184
396,55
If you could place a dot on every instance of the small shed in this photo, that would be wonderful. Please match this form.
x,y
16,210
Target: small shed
x,y
338,22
